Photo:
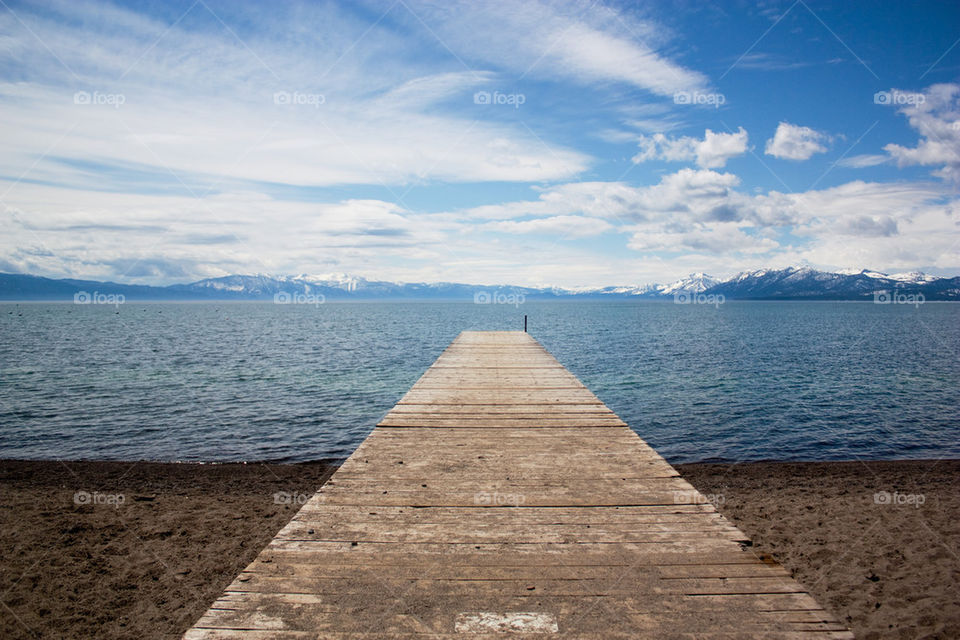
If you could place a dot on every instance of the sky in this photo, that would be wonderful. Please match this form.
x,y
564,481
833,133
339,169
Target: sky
x,y
570,144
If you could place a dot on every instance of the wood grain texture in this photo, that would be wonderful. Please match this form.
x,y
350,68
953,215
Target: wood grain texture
x,y
500,488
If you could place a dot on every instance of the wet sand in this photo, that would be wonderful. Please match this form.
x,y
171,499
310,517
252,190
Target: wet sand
x,y
140,550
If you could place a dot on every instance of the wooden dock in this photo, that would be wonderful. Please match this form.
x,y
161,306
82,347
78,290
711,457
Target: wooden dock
x,y
500,496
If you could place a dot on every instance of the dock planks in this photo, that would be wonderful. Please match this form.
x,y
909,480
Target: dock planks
x,y
500,496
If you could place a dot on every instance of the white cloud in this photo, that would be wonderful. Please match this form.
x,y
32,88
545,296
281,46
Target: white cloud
x,y
199,106
587,43
173,185
857,224
864,160
156,239
710,153
703,213
937,118
661,147
768,62
720,238
793,142
568,226
694,219
692,210
591,52
717,148
652,117
692,194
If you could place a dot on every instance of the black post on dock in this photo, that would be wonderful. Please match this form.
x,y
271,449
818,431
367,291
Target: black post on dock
x,y
524,323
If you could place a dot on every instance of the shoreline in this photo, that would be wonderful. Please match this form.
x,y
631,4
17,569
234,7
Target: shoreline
x,y
140,549
336,462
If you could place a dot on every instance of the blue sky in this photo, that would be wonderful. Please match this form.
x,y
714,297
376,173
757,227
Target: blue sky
x,y
569,143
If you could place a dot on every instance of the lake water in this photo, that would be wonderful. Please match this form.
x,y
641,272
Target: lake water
x,y
258,381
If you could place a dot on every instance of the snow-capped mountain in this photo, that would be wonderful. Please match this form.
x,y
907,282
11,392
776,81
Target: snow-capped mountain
x,y
806,283
347,287
914,277
627,291
695,282
264,285
792,283
911,277
799,282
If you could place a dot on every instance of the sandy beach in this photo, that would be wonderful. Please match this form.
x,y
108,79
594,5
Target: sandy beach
x,y
124,550
133,550
876,543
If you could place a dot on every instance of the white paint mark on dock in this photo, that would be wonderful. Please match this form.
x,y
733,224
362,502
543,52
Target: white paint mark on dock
x,y
511,622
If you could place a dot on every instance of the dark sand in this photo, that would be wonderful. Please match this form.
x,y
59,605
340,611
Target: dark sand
x,y
149,567
885,569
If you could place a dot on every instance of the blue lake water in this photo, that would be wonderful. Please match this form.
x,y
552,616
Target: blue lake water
x,y
258,381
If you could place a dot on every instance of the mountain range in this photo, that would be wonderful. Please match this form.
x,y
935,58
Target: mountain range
x,y
791,283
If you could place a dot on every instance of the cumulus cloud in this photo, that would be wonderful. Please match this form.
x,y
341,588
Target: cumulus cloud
x,y
936,116
793,142
711,152
695,194
692,210
717,148
900,225
704,213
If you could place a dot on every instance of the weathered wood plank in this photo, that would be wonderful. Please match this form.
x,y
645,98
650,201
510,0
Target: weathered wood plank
x,y
501,491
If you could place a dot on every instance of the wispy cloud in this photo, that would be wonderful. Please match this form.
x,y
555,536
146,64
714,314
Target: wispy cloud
x,y
758,61
537,142
583,41
863,160
200,105
567,226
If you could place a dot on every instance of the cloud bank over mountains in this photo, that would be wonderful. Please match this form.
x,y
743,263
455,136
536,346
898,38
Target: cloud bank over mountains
x,y
542,144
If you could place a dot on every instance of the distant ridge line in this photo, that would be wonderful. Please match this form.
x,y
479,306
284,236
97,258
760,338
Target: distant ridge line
x,y
791,283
